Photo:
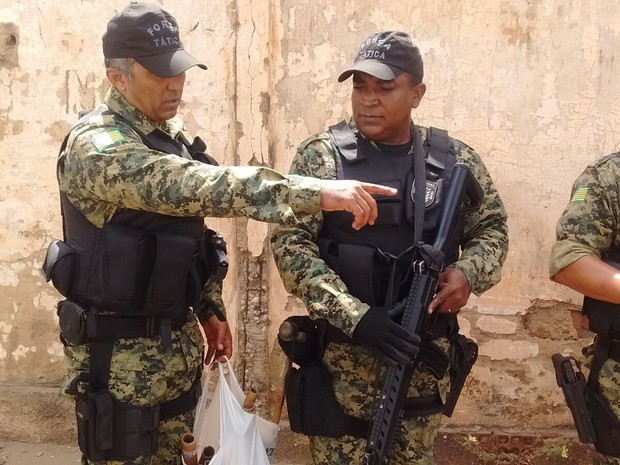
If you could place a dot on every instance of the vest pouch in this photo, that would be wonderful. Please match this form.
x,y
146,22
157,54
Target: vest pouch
x,y
606,424
94,414
60,266
357,263
110,430
390,208
168,284
124,252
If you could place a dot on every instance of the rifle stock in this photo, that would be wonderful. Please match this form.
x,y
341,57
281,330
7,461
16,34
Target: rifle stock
x,y
464,195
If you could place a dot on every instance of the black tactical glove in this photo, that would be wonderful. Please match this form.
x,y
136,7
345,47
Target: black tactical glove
x,y
386,339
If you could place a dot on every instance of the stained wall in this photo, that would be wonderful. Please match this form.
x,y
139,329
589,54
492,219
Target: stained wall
x,y
530,85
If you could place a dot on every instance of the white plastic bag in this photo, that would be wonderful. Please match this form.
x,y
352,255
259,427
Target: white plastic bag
x,y
238,437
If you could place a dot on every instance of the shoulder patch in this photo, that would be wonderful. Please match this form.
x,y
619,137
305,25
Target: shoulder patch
x,y
580,194
107,139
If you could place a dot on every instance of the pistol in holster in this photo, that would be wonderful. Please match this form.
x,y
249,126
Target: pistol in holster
x,y
574,386
213,249
463,356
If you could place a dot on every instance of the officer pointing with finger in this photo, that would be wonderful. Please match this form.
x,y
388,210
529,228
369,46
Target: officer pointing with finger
x,y
134,263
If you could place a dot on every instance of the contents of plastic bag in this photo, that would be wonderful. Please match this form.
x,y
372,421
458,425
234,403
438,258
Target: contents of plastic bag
x,y
235,435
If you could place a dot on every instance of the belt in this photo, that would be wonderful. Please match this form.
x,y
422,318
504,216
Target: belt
x,y
105,326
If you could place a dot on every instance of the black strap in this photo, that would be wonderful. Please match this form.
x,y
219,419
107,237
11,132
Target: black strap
x,y
602,349
419,182
439,148
104,330
422,406
344,140
100,357
184,403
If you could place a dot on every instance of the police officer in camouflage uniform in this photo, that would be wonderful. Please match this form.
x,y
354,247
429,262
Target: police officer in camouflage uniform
x,y
134,196
583,257
387,84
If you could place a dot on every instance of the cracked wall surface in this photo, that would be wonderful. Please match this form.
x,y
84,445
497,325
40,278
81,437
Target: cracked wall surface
x,y
530,85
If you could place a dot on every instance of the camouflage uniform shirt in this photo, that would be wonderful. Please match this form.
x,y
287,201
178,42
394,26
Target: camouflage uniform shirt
x,y
589,227
353,369
106,167
484,242
589,224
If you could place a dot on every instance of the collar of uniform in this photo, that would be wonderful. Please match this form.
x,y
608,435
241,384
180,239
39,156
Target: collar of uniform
x,y
119,104
374,144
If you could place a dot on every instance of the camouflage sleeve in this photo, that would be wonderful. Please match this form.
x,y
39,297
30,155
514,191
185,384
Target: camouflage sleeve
x,y
303,272
107,168
484,244
211,298
589,224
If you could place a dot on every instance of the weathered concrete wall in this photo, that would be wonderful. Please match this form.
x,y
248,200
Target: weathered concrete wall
x,y
529,85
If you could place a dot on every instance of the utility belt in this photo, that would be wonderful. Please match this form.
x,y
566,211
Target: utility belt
x,y
109,429
80,324
312,405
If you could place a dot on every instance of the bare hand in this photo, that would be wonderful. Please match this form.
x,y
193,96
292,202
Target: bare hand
x,y
453,292
219,339
354,197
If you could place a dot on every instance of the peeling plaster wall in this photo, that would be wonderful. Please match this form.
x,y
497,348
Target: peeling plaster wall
x,y
530,85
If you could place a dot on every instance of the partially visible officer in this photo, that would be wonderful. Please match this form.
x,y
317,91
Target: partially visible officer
x,y
356,280
136,256
586,258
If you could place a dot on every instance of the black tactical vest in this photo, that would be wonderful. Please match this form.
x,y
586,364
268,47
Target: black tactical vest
x,y
604,317
138,263
374,259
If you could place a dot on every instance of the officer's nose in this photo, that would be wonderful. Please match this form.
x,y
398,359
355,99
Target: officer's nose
x,y
369,98
177,82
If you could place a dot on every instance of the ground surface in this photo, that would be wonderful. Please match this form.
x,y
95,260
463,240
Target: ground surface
x,y
292,449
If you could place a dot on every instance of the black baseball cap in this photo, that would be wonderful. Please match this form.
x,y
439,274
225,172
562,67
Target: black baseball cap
x,y
385,55
150,35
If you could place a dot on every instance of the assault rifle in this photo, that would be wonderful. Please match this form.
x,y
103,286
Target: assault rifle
x,y
464,195
573,384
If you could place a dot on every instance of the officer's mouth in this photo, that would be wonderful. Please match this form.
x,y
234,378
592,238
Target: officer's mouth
x,y
172,103
369,117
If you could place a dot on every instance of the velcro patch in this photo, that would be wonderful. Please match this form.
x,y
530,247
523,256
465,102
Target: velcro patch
x,y
580,194
107,139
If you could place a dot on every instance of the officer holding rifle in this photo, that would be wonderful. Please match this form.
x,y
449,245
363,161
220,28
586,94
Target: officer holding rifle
x,y
353,283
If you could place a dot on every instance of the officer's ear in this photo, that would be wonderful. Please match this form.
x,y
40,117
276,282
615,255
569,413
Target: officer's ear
x,y
418,93
117,78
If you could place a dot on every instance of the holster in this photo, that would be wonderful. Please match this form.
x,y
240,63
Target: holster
x,y
312,406
109,429
463,356
606,424
594,419
60,267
